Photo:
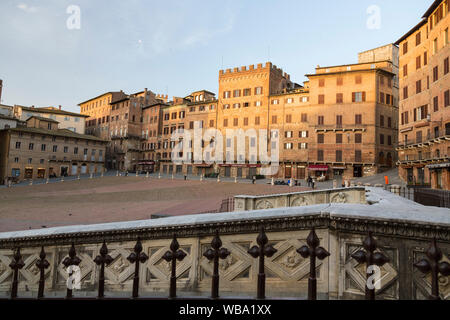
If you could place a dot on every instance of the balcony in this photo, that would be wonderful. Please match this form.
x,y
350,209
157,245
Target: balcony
x,y
423,142
340,127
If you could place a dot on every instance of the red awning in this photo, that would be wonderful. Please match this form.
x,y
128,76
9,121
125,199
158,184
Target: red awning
x,y
318,167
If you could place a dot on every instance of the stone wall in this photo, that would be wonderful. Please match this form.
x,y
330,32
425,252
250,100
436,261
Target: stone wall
x,y
355,195
403,231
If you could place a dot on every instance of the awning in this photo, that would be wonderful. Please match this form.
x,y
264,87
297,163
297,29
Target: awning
x,y
146,163
203,165
439,165
318,167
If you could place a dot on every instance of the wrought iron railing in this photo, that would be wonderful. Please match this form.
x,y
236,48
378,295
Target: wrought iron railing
x,y
369,256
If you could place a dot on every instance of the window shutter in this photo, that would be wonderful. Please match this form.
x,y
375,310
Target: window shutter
x,y
353,96
364,96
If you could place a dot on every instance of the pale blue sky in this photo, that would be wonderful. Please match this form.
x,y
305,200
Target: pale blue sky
x,y
177,47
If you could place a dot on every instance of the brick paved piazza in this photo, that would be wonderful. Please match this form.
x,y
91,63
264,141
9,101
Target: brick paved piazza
x,y
111,199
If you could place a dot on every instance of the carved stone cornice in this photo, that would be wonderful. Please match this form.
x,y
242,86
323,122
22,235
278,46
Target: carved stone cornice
x,y
387,228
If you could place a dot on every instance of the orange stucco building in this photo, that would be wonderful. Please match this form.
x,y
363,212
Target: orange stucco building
x,y
424,133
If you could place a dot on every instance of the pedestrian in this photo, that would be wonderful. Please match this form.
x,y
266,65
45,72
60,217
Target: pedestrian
x,y
253,179
313,183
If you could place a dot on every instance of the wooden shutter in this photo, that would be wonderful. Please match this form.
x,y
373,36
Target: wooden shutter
x,y
364,96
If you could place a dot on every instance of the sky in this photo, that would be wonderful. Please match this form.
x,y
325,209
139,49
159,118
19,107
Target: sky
x,y
58,52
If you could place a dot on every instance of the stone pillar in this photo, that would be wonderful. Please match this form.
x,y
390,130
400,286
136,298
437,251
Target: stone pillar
x,y
395,189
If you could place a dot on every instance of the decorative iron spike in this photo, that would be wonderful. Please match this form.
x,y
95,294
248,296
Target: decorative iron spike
x,y
71,260
370,258
42,264
16,265
172,256
101,260
262,251
214,254
137,257
313,251
433,265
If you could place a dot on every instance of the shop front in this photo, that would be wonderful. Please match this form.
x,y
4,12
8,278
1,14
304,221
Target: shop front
x,y
319,171
41,173
147,166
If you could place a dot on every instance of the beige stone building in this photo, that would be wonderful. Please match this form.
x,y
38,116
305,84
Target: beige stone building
x,y
424,135
74,122
41,150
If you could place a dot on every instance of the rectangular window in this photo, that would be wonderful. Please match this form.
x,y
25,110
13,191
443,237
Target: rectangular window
x,y
304,117
405,93
339,98
339,120
31,146
236,93
258,90
235,122
358,118
358,157
418,86
55,148
257,121
405,48
358,96
320,120
225,122
381,138
288,146
321,99
389,122
418,62
418,39
245,121
66,149
17,145
321,82
447,98
247,92
303,134
358,79
405,70
381,121
435,74
211,123
446,66
338,155
319,155
358,138
43,147
425,58
288,118
274,119
320,138
75,150
288,134
303,146
338,138
339,81
436,104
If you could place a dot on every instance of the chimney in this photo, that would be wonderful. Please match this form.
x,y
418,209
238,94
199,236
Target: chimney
x,y
1,86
